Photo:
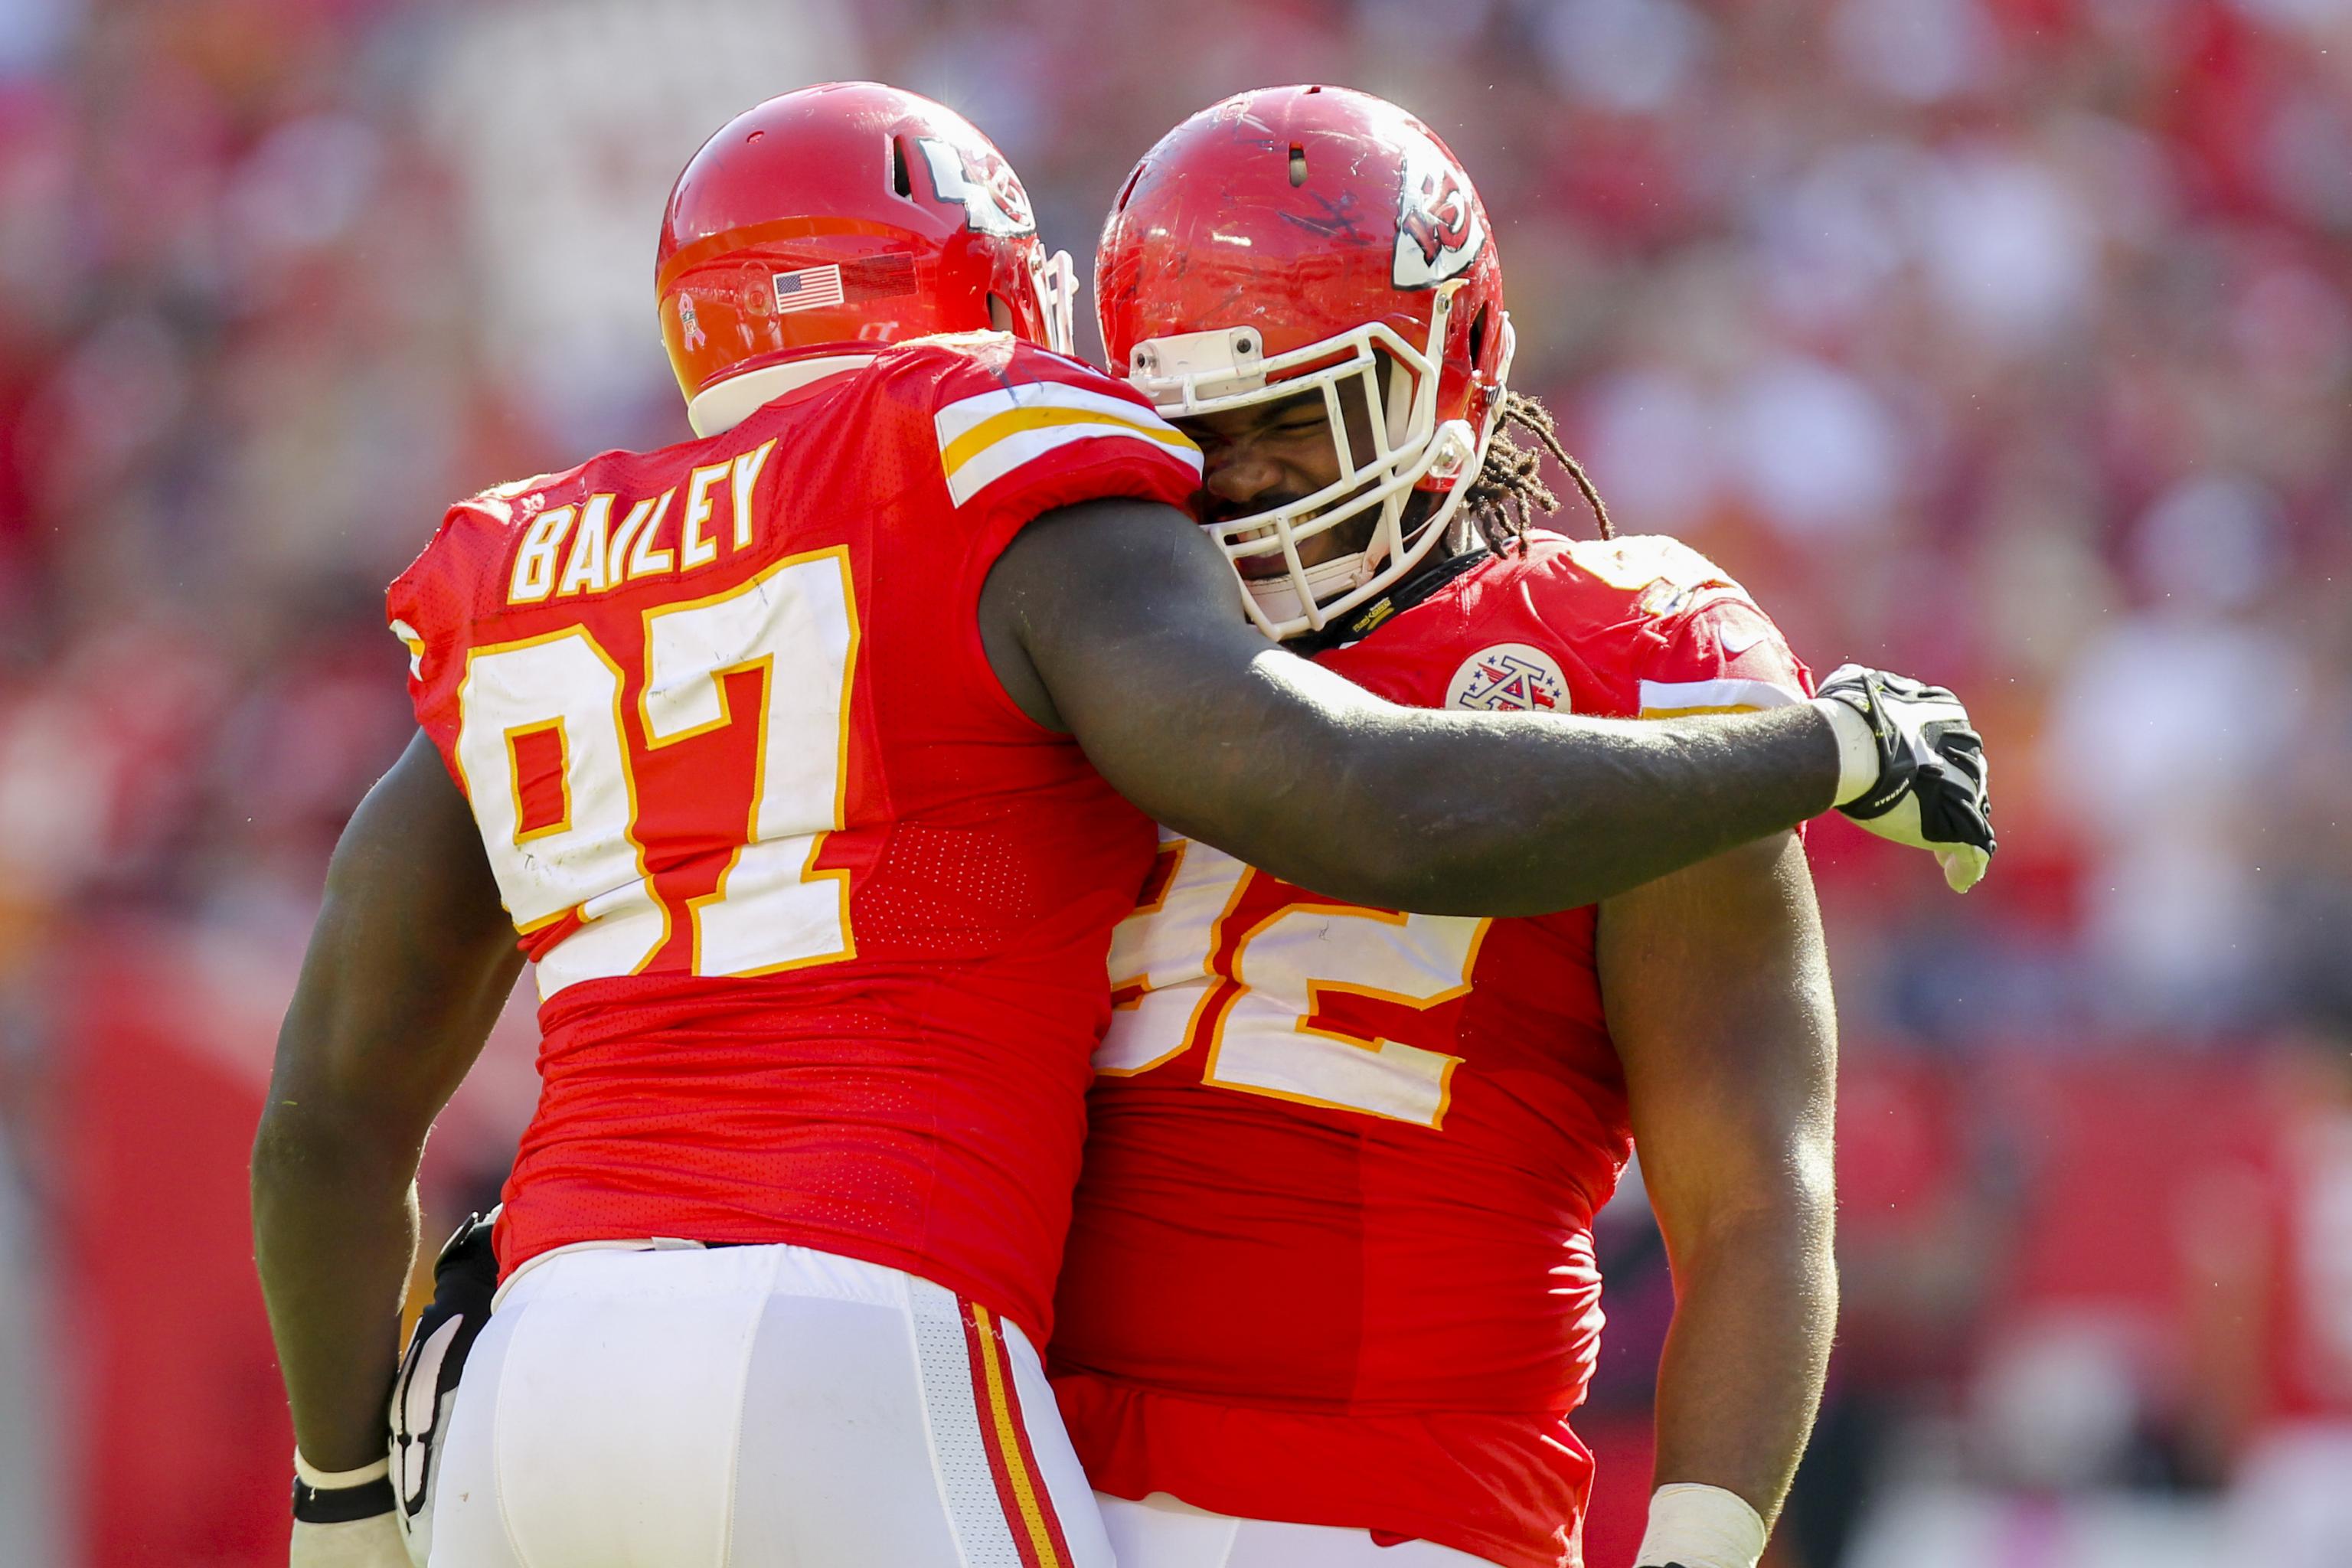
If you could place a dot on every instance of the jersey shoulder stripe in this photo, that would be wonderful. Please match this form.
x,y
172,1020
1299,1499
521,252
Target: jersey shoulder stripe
x,y
1725,694
986,436
414,642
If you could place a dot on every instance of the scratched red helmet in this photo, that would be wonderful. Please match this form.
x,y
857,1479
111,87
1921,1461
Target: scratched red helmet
x,y
1287,240
844,215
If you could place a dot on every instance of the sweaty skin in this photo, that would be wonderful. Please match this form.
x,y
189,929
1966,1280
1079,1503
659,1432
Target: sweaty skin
x,y
1717,988
1114,620
1253,458
410,960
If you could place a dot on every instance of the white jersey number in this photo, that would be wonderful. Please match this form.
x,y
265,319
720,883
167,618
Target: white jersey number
x,y
1191,967
796,624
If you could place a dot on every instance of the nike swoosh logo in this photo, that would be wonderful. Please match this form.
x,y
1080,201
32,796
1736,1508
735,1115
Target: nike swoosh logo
x,y
1736,642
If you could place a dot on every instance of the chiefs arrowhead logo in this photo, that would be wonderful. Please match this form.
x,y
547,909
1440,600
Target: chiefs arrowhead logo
x,y
1436,216
1438,231
1509,678
991,196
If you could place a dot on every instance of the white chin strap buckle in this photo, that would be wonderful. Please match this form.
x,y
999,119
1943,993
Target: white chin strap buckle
x,y
1278,597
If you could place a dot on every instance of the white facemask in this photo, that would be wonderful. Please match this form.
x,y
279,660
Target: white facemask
x,y
1192,374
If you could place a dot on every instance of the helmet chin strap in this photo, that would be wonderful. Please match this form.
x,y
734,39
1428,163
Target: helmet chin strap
x,y
1278,596
1057,296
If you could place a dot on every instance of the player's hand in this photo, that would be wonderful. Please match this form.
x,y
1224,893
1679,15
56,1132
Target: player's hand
x,y
1931,788
345,1521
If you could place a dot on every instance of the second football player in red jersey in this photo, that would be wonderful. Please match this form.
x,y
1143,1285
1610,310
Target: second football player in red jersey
x,y
794,754
1330,1294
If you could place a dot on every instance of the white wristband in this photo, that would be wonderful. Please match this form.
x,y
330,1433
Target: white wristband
x,y
1700,1527
319,1480
1857,749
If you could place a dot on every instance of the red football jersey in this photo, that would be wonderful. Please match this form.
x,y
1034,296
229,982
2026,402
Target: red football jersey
x,y
1332,1258
819,914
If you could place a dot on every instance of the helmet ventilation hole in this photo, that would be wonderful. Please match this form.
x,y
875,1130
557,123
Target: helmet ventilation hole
x,y
999,315
899,180
1478,334
1297,165
1127,190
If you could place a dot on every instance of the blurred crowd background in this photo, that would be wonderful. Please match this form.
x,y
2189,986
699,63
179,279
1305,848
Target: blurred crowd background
x,y
2006,341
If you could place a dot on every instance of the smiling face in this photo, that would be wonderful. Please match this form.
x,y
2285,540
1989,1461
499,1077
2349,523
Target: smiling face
x,y
1276,454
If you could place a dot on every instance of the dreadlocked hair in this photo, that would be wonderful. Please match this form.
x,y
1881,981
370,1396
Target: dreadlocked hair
x,y
1503,501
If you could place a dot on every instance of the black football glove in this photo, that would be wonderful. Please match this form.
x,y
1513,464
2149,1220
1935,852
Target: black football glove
x,y
1931,790
465,1279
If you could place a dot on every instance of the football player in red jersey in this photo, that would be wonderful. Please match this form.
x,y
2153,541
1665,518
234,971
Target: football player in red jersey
x,y
794,754
1330,1295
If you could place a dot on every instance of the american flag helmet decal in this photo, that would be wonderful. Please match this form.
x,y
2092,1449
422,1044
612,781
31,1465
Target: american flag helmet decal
x,y
810,288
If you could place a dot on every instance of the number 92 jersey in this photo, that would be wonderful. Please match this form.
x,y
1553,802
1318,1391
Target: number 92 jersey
x,y
819,915
1332,1258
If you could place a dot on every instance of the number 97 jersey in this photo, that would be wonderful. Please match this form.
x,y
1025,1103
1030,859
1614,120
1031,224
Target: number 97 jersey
x,y
819,915
1332,1256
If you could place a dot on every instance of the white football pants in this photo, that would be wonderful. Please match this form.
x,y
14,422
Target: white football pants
x,y
753,1408
1162,1533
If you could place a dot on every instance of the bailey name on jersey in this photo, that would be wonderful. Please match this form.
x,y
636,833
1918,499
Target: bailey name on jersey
x,y
602,557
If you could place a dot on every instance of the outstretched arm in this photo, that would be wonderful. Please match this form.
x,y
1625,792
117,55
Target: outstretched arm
x,y
1717,996
410,961
1116,620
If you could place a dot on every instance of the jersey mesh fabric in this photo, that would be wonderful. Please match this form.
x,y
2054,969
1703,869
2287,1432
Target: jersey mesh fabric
x,y
1286,1311
920,1102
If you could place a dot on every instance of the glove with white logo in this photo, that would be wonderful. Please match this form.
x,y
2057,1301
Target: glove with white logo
x,y
344,1519
1913,769
465,1279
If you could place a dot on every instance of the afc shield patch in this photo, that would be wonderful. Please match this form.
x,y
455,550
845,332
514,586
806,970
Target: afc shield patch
x,y
1509,678
1438,231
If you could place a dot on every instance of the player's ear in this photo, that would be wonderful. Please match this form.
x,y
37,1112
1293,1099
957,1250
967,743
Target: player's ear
x,y
999,315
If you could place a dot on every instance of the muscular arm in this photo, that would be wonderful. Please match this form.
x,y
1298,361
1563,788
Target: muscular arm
x,y
1717,994
1115,621
410,962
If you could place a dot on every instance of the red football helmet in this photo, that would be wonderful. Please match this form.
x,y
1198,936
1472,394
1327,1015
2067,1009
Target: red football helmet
x,y
1281,242
838,215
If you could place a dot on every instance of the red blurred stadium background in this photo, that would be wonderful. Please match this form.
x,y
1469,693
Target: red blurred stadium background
x,y
2007,340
